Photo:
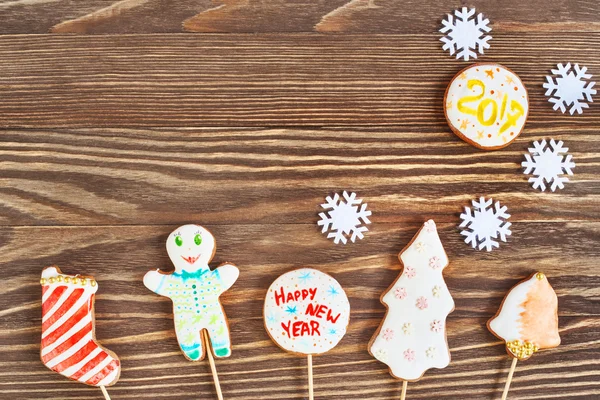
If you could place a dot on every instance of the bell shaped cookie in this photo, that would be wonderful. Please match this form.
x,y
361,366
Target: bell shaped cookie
x,y
528,318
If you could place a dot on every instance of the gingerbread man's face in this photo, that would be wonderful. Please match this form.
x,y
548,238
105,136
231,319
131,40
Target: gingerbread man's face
x,y
190,247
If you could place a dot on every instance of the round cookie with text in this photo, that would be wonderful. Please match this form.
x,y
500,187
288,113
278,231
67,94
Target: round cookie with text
x,y
306,312
486,105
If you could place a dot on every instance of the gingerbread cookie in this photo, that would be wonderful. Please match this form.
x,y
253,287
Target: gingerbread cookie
x,y
486,105
69,345
195,290
412,337
528,318
306,311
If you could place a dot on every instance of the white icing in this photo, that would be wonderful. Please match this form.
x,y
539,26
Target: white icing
x,y
407,342
320,290
507,324
486,131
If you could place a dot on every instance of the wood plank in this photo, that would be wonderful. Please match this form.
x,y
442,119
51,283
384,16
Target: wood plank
x,y
137,324
121,255
249,80
253,176
348,16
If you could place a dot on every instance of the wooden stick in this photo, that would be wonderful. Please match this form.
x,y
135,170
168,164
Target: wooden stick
x,y
404,386
213,367
509,379
105,393
311,394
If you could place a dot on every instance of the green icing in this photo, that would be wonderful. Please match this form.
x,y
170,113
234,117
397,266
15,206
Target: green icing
x,y
193,313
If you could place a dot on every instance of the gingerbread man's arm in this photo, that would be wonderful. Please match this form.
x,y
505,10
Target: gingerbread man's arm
x,y
155,281
228,273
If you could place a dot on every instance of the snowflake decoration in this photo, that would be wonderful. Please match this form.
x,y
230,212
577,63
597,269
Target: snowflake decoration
x,y
409,355
271,319
410,272
431,352
547,164
422,303
569,88
420,246
381,354
436,291
388,334
407,328
344,218
332,291
305,276
400,293
429,226
484,224
291,310
435,262
465,33
436,325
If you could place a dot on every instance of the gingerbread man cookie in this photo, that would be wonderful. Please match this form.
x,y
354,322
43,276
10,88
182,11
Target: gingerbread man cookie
x,y
195,290
528,318
486,105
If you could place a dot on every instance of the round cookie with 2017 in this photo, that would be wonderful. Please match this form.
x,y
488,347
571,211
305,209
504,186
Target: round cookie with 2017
x,y
306,311
486,105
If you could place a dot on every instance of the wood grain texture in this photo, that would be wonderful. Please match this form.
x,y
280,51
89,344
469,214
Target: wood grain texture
x,y
251,16
248,80
137,324
109,142
278,176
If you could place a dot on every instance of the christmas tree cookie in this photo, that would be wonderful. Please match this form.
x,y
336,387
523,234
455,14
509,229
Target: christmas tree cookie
x,y
412,337
528,318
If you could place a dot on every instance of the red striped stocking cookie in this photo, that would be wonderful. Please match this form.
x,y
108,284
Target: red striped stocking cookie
x,y
68,343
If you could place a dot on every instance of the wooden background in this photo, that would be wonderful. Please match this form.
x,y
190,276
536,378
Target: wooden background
x,y
111,140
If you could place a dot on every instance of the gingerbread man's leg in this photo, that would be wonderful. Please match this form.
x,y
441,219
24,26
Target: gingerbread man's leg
x,y
188,336
218,332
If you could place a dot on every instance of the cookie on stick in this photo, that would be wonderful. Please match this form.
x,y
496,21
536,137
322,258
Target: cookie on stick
x,y
69,344
412,337
527,321
200,322
306,312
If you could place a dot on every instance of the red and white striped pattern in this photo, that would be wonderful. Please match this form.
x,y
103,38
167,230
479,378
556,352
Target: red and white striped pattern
x,y
68,345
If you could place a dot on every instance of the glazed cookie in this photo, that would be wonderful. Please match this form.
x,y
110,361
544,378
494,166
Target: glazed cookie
x,y
486,105
528,318
195,290
69,345
412,336
306,312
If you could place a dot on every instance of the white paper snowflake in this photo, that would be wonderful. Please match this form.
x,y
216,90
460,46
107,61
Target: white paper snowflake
x,y
548,164
344,218
570,88
465,34
484,224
